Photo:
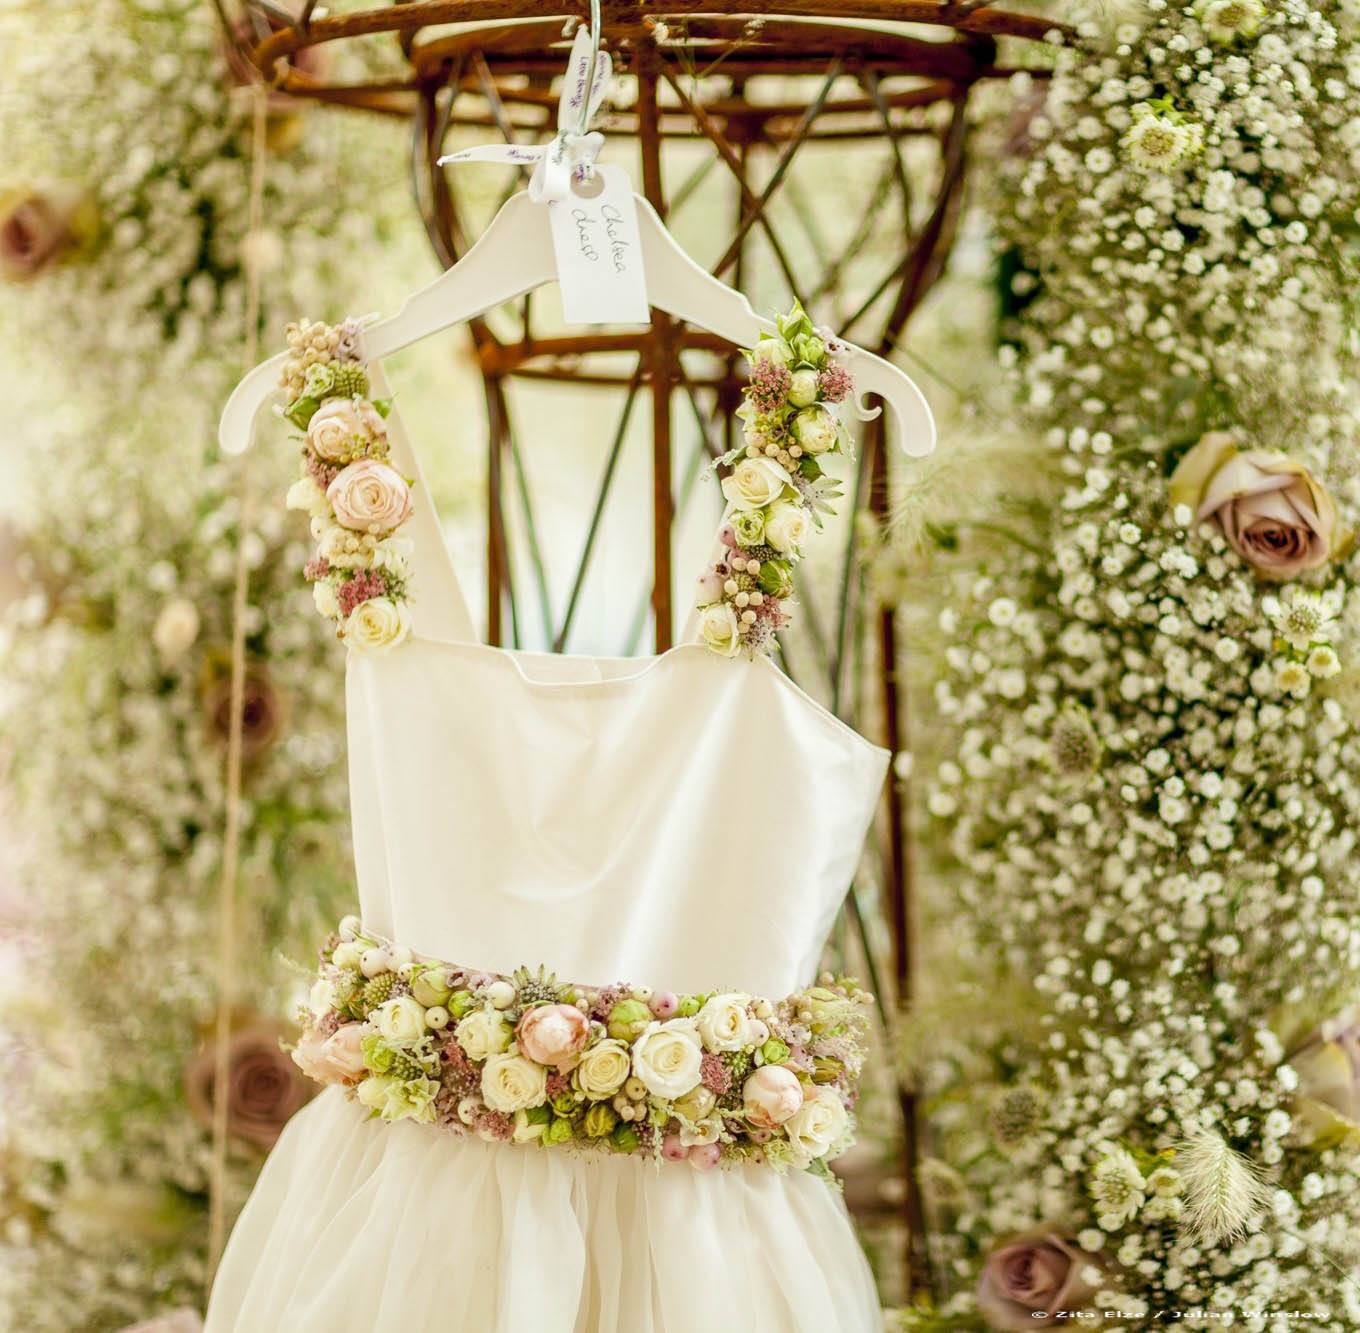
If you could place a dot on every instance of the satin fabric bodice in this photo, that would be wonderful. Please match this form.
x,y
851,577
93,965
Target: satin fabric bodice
x,y
686,821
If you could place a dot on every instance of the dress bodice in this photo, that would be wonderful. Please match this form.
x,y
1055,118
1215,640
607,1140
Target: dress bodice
x,y
687,820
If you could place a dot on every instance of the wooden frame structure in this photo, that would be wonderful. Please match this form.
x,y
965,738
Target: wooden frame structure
x,y
894,72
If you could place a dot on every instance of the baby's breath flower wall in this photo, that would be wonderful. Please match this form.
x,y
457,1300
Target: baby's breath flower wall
x,y
1150,809
124,211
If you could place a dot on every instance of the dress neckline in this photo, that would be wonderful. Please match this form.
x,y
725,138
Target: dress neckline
x,y
646,664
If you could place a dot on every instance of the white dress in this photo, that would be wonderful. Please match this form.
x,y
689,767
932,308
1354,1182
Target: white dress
x,y
685,821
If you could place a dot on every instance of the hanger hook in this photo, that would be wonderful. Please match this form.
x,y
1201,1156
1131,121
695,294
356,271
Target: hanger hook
x,y
595,36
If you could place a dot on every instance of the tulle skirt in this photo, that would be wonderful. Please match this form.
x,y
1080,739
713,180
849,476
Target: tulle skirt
x,y
356,1225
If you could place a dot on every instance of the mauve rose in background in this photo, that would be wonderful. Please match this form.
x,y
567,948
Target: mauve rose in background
x,y
263,709
1028,1280
1327,1061
265,1089
1274,514
183,1320
40,225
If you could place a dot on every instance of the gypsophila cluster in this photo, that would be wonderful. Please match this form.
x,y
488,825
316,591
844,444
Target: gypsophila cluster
x,y
1151,803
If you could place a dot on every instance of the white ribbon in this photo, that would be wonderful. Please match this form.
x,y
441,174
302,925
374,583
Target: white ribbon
x,y
575,147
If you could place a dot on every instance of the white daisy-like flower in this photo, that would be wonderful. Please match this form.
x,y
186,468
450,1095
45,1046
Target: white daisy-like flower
x,y
1160,140
1225,20
1302,617
1117,1187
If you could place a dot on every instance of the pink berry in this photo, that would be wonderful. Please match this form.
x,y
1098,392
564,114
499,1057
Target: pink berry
x,y
704,1156
665,1003
673,1150
761,1136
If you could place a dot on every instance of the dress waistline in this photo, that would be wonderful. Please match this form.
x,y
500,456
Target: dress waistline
x,y
715,1078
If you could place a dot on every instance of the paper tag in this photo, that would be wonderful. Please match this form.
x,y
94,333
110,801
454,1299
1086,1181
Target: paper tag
x,y
599,251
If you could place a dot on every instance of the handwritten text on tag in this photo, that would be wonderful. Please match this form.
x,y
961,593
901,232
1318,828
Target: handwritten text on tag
x,y
599,252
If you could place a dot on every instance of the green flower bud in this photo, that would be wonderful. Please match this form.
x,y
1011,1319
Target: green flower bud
x,y
460,1002
318,381
601,1120
749,525
627,1019
378,1056
431,987
809,348
300,411
826,1070
689,1006
625,1139
775,578
560,1131
774,1052
565,1104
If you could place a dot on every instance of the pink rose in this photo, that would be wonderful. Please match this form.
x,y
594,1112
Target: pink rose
x,y
771,1095
334,1059
369,496
553,1034
342,429
1029,1279
39,225
1268,505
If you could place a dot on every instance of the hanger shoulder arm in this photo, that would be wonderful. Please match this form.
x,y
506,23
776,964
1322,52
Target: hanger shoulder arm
x,y
236,427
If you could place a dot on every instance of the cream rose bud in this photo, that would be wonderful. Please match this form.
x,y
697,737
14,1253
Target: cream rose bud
x,y
787,526
775,350
719,629
667,1056
325,600
771,1095
175,629
431,987
369,496
321,998
511,1083
336,430
400,1021
755,483
482,1034
377,625
603,1069
816,429
816,1126
305,495
553,1034
723,1022
348,954
803,388
527,1128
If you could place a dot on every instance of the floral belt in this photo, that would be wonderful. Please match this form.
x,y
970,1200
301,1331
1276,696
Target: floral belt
x,y
722,1077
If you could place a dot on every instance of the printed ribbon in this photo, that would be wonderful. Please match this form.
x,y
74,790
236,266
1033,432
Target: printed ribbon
x,y
575,147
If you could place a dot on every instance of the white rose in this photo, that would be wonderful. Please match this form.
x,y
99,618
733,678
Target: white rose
x,y
604,1069
666,1057
803,388
723,1022
756,482
482,1034
719,629
511,1083
175,629
377,625
401,1021
323,594
306,495
787,526
816,429
816,1126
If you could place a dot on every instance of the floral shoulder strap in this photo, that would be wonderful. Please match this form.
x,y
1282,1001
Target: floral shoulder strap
x,y
357,501
776,491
